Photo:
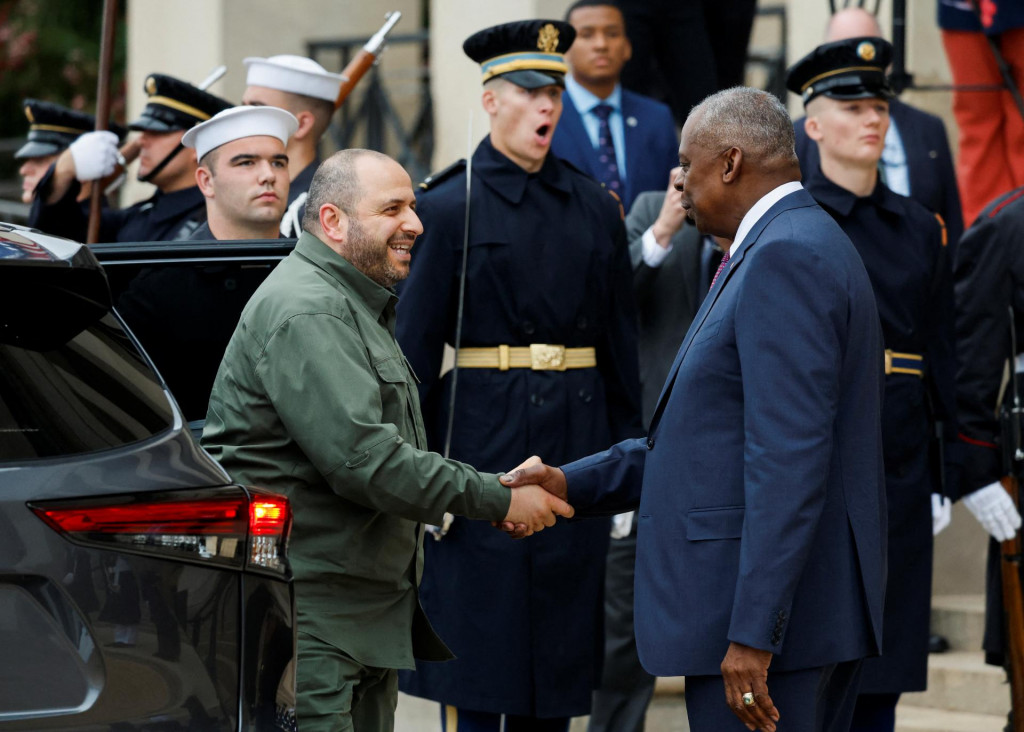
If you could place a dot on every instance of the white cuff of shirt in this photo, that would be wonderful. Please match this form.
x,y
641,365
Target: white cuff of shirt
x,y
653,253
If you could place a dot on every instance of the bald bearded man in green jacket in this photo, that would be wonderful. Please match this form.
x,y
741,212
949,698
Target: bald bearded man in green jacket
x,y
314,399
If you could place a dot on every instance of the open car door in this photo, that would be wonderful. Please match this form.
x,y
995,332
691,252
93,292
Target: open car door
x,y
182,301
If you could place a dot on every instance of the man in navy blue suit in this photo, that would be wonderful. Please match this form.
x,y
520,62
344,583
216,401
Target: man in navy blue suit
x,y
624,140
762,532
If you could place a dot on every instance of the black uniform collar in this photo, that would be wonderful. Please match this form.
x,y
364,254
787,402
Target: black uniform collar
x,y
301,183
168,206
509,180
842,201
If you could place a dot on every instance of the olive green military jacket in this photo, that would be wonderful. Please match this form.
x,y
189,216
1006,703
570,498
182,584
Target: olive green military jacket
x,y
315,400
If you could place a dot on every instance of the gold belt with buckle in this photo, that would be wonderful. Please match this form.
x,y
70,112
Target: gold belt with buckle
x,y
903,363
536,356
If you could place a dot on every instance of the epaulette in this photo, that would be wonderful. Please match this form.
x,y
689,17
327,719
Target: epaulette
x,y
942,225
1010,198
432,180
618,200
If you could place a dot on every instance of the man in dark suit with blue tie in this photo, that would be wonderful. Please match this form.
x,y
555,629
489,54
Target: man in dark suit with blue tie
x,y
761,546
624,140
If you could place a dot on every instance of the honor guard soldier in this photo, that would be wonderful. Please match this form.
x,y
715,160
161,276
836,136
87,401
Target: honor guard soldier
x,y
174,211
307,90
547,365
51,128
989,286
243,174
904,249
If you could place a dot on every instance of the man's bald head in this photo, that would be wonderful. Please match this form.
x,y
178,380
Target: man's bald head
x,y
337,181
852,23
752,120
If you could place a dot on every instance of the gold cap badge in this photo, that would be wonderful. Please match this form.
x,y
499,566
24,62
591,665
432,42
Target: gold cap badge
x,y
28,113
866,51
150,85
547,39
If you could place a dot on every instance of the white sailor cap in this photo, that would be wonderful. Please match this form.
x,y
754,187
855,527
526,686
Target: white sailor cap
x,y
295,74
238,122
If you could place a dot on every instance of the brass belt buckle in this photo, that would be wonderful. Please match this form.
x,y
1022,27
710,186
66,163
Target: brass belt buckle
x,y
547,358
888,361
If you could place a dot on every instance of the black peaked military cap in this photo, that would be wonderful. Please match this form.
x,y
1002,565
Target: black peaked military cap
x,y
174,104
529,53
850,69
51,128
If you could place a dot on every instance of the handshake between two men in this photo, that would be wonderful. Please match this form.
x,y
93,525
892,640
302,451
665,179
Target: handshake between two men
x,y
539,497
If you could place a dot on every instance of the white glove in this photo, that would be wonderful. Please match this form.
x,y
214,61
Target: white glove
x,y
942,513
994,509
95,155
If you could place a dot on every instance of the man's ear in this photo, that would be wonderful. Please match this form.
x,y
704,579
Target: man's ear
x,y
732,160
812,126
306,123
204,179
333,222
490,101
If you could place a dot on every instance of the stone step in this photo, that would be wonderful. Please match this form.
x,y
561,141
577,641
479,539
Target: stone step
x,y
961,619
961,681
921,719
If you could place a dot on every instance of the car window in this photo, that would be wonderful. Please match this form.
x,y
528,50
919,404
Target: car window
x,y
183,300
91,392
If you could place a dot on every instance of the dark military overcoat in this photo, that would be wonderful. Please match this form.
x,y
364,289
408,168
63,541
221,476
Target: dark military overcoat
x,y
903,249
548,264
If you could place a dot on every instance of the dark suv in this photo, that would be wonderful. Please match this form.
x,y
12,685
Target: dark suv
x,y
140,588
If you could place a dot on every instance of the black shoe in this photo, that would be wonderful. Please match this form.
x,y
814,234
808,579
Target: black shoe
x,y
937,643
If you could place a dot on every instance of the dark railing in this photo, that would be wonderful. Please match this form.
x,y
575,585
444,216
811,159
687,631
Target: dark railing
x,y
391,112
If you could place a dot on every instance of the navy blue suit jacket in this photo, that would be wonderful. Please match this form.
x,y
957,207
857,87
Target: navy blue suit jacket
x,y
760,486
652,143
932,175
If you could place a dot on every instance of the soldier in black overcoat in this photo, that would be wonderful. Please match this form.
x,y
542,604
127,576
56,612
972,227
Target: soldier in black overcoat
x,y
547,366
905,251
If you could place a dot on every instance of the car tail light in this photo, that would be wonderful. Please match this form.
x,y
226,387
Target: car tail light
x,y
231,526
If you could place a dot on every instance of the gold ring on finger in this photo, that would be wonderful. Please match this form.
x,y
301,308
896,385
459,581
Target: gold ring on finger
x,y
748,699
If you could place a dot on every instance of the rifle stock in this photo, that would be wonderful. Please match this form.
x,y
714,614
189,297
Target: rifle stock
x,y
364,60
353,72
1013,603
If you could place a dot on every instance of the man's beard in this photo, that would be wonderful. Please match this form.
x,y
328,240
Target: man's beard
x,y
370,256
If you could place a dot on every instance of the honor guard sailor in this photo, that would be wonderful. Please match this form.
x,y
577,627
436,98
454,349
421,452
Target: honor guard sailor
x,y
547,365
243,171
306,89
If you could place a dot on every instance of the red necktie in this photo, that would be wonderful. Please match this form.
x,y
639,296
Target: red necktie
x,y
721,267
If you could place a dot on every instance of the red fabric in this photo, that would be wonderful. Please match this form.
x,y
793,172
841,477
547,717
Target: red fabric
x,y
721,266
991,158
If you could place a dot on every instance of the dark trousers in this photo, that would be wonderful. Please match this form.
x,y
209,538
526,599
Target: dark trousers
x,y
620,705
672,55
466,720
684,51
811,700
875,713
